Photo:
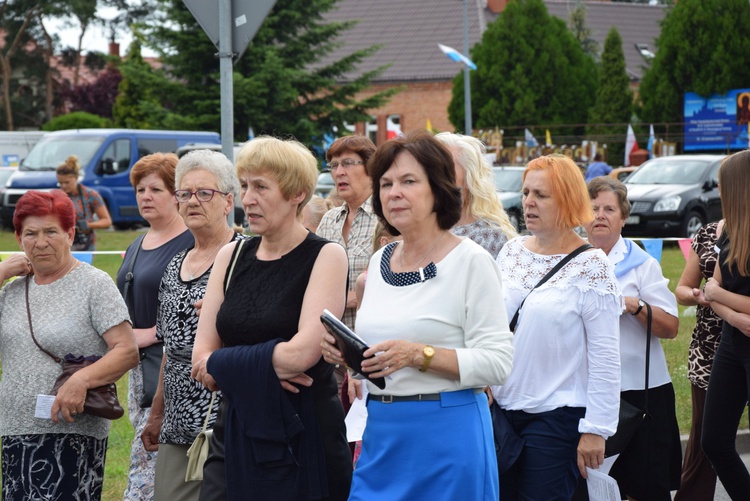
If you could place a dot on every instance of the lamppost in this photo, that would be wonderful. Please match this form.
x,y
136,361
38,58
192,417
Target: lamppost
x,y
467,89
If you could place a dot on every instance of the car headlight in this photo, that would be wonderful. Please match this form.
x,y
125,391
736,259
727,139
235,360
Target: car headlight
x,y
668,204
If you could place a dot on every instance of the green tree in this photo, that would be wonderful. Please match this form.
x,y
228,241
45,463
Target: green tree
x,y
530,70
76,120
614,99
703,47
581,32
283,84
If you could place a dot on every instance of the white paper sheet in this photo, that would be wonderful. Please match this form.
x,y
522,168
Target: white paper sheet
x,y
601,486
44,406
356,418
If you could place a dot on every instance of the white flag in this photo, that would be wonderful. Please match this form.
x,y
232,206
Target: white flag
x,y
630,145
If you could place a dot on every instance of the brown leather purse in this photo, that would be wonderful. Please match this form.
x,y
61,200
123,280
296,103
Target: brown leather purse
x,y
101,401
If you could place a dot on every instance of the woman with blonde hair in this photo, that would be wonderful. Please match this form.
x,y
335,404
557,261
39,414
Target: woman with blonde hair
x,y
91,212
483,218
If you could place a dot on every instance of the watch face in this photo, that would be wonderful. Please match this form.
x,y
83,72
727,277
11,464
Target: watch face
x,y
428,351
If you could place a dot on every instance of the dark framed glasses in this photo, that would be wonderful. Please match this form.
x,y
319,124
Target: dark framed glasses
x,y
203,195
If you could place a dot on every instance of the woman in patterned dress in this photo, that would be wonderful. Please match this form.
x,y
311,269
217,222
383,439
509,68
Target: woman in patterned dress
x,y
483,218
206,189
698,481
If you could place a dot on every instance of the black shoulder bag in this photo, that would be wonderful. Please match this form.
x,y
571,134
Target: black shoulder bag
x,y
150,356
630,416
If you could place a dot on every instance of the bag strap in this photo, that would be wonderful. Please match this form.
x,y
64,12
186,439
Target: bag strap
x,y
235,257
546,277
127,293
648,355
210,408
31,327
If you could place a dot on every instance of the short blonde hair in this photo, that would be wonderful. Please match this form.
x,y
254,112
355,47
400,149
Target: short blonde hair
x,y
290,163
568,189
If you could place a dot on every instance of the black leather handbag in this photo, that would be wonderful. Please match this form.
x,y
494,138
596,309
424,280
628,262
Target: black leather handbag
x,y
631,416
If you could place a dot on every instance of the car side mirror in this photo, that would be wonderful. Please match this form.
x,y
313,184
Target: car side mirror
x,y
710,185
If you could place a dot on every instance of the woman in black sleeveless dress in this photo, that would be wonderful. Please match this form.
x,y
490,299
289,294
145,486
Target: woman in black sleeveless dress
x,y
259,338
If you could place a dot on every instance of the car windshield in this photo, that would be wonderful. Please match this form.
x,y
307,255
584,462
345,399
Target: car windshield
x,y
50,152
508,179
670,171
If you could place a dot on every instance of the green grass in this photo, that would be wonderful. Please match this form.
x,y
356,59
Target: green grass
x,y
118,456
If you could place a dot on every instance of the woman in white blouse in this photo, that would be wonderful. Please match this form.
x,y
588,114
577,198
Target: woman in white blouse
x,y
430,316
562,397
649,468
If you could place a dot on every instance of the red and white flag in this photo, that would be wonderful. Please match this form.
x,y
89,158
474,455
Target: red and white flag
x,y
630,145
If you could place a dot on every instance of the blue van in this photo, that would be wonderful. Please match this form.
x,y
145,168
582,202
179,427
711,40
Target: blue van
x,y
105,156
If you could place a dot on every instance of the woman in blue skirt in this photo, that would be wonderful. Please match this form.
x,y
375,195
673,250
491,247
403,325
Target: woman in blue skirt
x,y
431,315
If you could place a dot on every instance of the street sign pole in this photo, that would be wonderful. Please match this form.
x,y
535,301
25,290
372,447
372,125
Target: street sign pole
x,y
225,75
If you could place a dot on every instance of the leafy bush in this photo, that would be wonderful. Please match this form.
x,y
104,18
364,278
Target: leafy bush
x,y
76,120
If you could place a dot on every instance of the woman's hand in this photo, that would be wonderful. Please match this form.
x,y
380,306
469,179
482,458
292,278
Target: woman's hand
x,y
150,435
354,388
389,356
302,379
70,399
711,288
590,452
200,374
699,297
17,265
331,353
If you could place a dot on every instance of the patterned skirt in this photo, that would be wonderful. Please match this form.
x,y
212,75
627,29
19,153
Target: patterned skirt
x,y
52,467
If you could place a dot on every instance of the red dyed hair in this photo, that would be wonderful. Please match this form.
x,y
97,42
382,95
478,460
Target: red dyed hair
x,y
43,203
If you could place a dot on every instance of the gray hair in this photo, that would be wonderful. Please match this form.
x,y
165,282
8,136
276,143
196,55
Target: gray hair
x,y
214,162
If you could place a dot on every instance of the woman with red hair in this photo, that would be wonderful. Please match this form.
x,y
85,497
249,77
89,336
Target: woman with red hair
x,y
67,308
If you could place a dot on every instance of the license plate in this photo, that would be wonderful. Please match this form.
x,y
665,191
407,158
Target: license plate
x,y
633,220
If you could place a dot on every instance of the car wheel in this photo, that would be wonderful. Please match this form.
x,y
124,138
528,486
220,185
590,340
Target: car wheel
x,y
693,223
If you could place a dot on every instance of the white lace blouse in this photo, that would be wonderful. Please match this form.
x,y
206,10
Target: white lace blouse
x,y
567,337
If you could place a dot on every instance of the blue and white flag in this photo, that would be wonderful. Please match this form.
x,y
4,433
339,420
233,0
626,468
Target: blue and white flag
x,y
457,56
531,141
650,145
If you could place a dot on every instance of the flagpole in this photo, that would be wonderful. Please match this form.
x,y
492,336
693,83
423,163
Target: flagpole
x,y
467,90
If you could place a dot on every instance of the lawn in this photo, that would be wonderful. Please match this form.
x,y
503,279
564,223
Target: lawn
x,y
122,433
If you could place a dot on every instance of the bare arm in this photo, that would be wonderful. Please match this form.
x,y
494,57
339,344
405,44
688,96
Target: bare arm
x,y
717,295
207,338
690,282
122,356
145,337
663,325
104,221
150,435
325,290
16,265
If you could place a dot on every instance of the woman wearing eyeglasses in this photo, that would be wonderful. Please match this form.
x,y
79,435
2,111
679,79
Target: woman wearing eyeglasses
x,y
207,186
146,259
352,224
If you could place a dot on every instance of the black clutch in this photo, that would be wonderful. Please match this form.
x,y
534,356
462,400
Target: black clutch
x,y
352,347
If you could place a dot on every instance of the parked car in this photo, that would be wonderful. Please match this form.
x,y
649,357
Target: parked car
x,y
325,184
673,196
5,173
622,173
508,184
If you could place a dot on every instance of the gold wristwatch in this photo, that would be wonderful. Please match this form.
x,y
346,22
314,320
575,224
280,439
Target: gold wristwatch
x,y
427,352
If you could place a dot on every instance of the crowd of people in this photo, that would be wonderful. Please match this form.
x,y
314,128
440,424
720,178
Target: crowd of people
x,y
471,327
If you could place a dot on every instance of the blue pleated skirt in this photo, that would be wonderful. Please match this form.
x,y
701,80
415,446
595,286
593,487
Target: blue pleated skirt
x,y
428,450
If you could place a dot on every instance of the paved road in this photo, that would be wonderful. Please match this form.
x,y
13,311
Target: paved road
x,y
743,446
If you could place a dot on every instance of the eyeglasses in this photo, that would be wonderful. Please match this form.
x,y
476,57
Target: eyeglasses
x,y
345,164
203,195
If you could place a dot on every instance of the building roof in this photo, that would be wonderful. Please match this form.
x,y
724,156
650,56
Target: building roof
x,y
409,33
637,23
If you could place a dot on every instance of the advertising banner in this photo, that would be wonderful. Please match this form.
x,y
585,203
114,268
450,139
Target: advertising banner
x,y
718,122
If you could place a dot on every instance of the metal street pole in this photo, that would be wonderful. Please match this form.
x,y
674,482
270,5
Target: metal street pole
x,y
467,90
226,84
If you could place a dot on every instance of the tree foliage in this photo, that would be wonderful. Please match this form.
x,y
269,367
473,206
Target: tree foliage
x,y
703,48
97,97
530,70
281,86
76,120
614,99
581,32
